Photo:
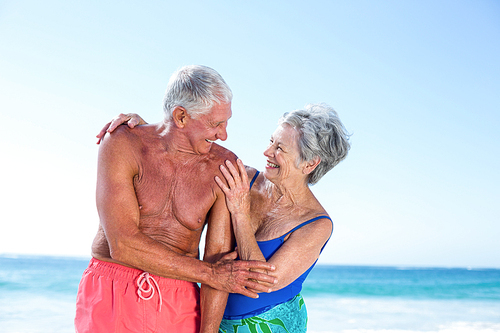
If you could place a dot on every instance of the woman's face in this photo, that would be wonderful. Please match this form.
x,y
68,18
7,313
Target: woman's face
x,y
282,155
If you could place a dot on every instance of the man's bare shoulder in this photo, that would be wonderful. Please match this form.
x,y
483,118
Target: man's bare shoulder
x,y
220,154
131,137
123,131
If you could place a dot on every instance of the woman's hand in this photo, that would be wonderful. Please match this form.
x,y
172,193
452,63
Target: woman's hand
x,y
238,189
131,119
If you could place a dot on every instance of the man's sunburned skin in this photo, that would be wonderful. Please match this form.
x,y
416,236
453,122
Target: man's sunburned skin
x,y
174,196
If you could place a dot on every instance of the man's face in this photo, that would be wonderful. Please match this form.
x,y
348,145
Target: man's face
x,y
206,129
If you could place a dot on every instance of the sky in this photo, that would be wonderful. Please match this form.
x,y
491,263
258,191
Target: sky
x,y
416,83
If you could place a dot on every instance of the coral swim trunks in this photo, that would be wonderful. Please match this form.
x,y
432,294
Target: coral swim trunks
x,y
115,298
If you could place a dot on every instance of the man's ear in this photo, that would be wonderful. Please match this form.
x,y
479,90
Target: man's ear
x,y
180,116
311,165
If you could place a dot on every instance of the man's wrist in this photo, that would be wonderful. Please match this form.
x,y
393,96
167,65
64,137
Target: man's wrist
x,y
207,273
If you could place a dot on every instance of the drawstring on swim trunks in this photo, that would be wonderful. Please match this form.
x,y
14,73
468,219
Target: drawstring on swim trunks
x,y
145,278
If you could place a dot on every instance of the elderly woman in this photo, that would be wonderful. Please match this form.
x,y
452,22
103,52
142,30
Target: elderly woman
x,y
276,217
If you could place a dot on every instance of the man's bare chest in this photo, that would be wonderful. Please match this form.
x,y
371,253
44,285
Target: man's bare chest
x,y
181,193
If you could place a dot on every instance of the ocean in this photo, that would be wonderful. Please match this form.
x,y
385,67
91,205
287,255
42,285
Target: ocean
x,y
37,294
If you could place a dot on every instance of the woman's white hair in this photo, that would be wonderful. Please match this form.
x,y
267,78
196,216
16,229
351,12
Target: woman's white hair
x,y
197,89
321,134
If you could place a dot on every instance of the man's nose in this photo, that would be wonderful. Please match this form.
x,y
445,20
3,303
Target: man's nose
x,y
222,134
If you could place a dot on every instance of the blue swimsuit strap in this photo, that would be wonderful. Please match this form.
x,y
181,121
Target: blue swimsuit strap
x,y
300,225
307,222
254,178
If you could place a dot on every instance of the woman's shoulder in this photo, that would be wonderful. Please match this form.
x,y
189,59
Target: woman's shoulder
x,y
312,215
318,218
251,171
255,178
317,224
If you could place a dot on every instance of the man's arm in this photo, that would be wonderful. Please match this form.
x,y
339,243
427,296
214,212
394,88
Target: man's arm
x,y
119,215
219,241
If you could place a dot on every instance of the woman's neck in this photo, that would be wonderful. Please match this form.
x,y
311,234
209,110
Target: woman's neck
x,y
288,195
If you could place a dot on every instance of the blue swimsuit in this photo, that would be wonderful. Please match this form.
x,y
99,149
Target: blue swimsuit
x,y
240,307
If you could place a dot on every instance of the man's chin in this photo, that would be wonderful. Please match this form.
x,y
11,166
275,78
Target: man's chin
x,y
205,149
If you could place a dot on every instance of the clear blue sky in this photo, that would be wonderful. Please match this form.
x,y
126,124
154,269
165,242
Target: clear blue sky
x,y
417,83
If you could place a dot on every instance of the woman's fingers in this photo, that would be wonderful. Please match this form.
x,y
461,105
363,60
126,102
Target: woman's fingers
x,y
130,119
233,170
102,132
228,176
117,121
237,174
221,184
236,178
243,171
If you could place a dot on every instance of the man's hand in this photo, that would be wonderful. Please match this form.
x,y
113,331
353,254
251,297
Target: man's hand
x,y
131,119
235,276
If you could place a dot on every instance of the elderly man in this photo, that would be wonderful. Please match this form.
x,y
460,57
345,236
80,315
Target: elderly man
x,y
155,193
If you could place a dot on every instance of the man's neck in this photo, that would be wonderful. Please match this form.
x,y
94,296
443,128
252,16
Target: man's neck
x,y
174,140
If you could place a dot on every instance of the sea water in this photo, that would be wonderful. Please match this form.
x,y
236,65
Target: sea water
x,y
37,294
391,299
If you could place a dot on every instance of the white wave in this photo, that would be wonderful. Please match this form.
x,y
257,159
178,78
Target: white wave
x,y
353,315
457,327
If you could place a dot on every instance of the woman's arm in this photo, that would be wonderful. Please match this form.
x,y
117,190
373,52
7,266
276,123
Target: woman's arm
x,y
238,203
300,251
295,256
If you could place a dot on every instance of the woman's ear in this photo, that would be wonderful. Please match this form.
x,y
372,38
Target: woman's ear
x,y
311,165
179,114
